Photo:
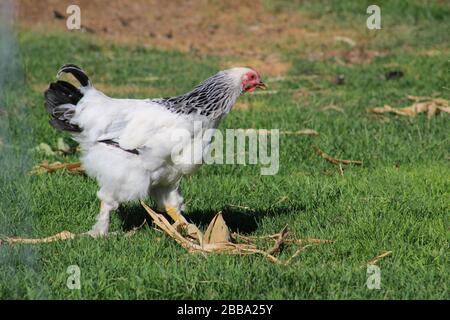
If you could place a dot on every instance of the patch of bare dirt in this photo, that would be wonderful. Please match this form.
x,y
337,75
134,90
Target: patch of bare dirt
x,y
245,30
358,55
231,27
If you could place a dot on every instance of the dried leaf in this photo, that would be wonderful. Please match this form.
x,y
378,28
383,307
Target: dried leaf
x,y
421,104
45,167
334,160
417,98
444,109
217,231
332,107
432,109
195,233
387,108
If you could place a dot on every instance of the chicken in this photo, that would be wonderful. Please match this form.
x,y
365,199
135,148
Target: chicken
x,y
127,144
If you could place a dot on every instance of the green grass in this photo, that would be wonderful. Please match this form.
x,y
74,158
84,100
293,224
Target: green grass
x,y
399,200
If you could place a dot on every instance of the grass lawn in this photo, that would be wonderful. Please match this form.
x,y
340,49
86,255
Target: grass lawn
x,y
398,200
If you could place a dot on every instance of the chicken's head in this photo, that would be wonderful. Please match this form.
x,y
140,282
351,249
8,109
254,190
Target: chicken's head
x,y
251,80
247,79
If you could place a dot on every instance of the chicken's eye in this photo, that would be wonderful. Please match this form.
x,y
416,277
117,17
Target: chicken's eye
x,y
252,77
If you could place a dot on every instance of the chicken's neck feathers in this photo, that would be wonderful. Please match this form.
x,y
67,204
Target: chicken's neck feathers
x,y
212,99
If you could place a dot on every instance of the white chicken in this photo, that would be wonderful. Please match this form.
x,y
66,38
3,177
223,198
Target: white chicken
x,y
126,143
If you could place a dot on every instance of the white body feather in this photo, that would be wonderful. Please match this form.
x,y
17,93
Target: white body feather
x,y
134,124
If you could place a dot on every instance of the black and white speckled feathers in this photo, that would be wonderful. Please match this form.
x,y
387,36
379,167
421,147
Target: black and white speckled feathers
x,y
213,98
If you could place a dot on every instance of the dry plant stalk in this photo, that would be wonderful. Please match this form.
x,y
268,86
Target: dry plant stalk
x,y
279,241
309,241
421,104
379,257
334,160
45,167
306,131
63,235
300,242
296,254
332,107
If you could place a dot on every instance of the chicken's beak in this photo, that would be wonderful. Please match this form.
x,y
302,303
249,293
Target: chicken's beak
x,y
261,85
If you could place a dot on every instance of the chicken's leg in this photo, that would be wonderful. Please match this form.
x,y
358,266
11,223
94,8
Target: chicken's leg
x,y
170,200
101,227
176,215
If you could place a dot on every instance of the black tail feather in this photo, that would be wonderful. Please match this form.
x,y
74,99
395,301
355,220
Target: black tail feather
x,y
61,92
64,125
61,98
77,72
